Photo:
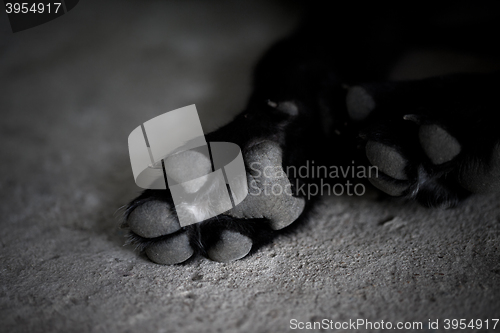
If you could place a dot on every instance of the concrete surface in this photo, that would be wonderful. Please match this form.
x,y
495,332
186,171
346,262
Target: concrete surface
x,y
71,92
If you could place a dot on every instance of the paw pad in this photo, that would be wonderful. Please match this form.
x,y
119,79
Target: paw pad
x,y
152,219
173,250
387,159
269,197
231,246
359,103
438,144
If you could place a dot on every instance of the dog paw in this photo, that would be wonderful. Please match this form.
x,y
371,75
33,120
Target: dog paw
x,y
270,205
434,140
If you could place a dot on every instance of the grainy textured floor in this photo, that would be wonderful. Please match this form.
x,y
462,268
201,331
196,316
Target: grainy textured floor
x,y
73,89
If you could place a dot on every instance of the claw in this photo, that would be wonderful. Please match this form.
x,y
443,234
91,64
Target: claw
x,y
413,117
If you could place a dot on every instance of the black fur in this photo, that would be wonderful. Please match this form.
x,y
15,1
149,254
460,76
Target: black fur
x,y
355,45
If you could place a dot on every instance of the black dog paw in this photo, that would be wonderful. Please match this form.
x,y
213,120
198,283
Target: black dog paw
x,y
270,205
435,139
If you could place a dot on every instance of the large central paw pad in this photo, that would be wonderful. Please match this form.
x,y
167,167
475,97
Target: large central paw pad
x,y
270,194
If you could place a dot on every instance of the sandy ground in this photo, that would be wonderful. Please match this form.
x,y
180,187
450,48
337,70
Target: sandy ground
x,y
71,92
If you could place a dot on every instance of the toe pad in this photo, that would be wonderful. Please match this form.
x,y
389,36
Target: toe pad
x,y
231,246
438,144
173,250
359,103
391,187
387,159
153,219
